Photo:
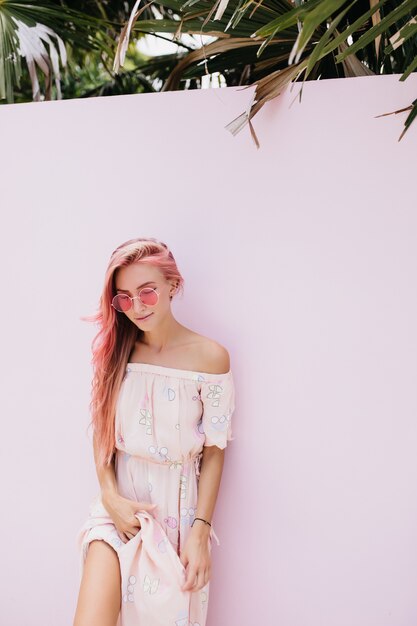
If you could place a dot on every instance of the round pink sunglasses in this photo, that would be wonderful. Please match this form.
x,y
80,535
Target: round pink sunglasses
x,y
122,302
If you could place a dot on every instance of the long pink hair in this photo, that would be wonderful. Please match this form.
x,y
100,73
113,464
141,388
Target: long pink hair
x,y
116,338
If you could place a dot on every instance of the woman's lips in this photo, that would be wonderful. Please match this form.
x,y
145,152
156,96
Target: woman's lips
x,y
142,319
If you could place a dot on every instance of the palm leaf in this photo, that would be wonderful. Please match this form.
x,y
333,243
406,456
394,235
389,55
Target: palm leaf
x,y
370,35
25,28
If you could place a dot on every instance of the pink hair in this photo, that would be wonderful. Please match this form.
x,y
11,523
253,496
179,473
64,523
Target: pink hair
x,y
116,338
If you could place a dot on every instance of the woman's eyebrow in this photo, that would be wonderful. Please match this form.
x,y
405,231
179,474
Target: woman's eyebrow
x,y
150,282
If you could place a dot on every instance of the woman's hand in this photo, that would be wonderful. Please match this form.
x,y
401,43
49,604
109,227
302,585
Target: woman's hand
x,y
122,511
196,559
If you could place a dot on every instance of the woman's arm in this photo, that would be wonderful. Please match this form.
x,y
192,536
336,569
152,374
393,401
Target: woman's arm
x,y
216,359
195,555
121,510
106,476
208,489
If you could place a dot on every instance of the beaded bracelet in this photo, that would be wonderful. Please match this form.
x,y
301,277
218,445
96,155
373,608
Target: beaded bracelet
x,y
203,520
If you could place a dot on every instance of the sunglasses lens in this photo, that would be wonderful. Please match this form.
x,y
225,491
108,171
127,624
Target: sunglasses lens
x,y
122,303
149,296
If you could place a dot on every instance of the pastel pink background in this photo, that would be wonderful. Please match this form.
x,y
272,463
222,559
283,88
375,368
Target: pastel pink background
x,y
301,259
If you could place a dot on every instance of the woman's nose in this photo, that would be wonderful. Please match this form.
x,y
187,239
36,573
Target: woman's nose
x,y
138,305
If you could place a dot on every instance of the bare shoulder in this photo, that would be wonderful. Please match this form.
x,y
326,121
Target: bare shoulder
x,y
214,357
193,352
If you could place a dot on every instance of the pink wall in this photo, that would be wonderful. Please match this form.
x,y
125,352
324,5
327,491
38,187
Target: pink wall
x,y
301,258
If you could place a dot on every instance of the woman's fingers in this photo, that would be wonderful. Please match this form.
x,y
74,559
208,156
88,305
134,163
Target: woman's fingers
x,y
188,580
136,525
127,535
191,578
197,584
201,579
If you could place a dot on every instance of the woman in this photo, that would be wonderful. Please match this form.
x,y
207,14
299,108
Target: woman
x,y
162,400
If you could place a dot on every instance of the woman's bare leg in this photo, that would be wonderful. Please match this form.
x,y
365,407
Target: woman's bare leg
x,y
99,598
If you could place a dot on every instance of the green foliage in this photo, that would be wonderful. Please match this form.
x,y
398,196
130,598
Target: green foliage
x,y
268,44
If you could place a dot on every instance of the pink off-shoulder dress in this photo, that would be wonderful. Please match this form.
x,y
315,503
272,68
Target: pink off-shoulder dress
x,y
164,418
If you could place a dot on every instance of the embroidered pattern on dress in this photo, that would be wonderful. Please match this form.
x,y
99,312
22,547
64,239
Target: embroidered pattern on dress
x,y
214,394
220,423
128,596
146,420
150,585
187,515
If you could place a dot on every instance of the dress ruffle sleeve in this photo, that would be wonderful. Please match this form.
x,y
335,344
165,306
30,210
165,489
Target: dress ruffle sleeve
x,y
217,395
